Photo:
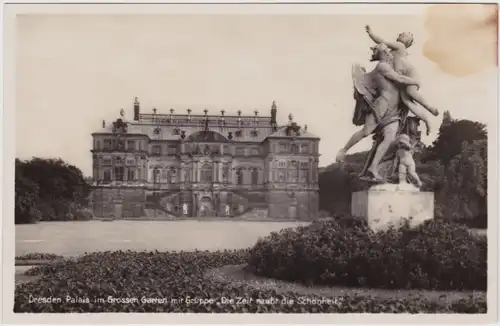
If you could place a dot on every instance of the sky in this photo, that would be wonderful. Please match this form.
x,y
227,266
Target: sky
x,y
73,71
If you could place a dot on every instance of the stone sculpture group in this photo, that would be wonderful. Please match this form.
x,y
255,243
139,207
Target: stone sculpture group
x,y
384,99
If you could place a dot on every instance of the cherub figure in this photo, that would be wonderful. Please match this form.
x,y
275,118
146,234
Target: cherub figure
x,y
403,67
406,164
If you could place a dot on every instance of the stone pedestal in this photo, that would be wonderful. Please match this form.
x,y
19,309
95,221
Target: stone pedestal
x,y
392,204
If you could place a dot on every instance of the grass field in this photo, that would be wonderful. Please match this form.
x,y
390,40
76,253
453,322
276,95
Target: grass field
x,y
76,238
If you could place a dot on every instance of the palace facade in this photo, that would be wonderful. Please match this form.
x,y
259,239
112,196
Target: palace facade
x,y
173,165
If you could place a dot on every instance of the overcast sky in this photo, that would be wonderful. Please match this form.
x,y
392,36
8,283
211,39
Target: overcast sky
x,y
73,71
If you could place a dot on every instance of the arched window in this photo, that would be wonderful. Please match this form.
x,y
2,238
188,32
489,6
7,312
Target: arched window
x,y
131,176
255,176
206,173
187,175
239,176
172,175
281,176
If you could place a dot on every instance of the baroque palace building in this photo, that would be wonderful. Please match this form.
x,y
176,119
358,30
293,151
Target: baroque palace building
x,y
173,165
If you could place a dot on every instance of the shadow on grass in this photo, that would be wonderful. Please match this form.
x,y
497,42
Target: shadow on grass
x,y
236,274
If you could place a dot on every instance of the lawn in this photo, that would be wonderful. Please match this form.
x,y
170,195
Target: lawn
x,y
76,238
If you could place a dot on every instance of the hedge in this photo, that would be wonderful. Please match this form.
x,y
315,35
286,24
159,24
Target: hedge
x,y
437,255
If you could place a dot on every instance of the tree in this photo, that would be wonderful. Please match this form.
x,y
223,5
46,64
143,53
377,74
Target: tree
x,y
49,189
447,119
452,134
58,180
465,186
336,186
26,197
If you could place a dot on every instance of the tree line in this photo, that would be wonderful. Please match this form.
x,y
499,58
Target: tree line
x,y
454,167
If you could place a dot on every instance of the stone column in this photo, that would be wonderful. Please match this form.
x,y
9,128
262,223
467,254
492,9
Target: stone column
x,y
315,171
219,172
270,170
182,147
197,171
214,171
310,176
181,171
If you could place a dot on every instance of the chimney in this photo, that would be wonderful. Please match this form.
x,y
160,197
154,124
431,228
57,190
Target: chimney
x,y
136,109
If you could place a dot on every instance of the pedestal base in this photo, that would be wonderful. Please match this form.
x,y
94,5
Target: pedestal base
x,y
391,204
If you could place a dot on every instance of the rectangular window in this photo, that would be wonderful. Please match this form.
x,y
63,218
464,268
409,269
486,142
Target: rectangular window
x,y
303,175
172,149
108,144
130,161
119,171
156,175
107,161
156,150
240,151
225,172
255,176
130,145
107,175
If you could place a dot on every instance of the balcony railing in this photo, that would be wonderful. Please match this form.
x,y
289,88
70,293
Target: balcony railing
x,y
117,183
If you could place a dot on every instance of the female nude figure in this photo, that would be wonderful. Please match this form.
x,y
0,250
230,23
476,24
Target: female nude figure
x,y
403,67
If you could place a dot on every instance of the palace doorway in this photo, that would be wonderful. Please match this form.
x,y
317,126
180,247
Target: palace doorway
x,y
206,207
